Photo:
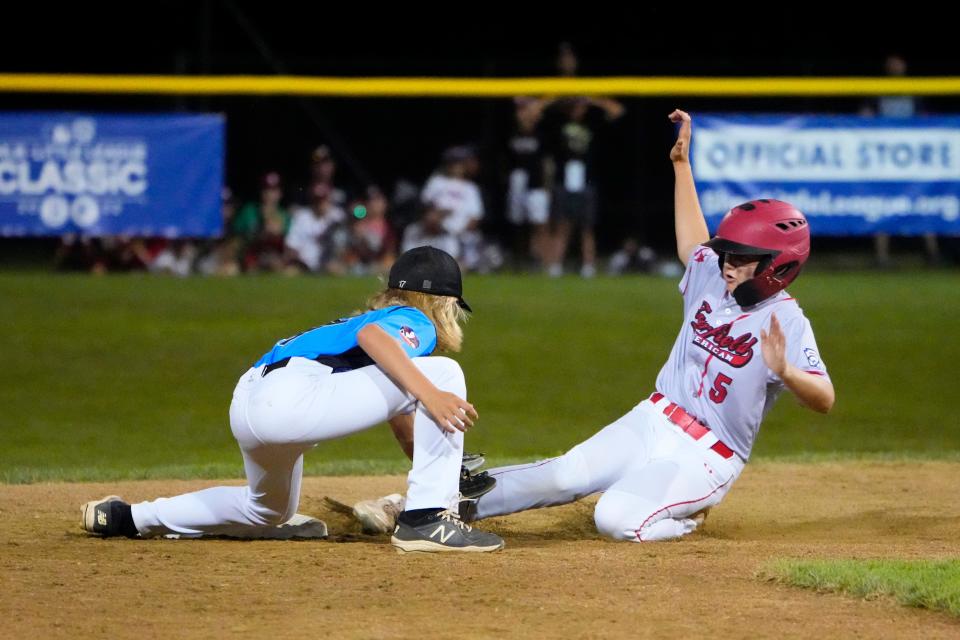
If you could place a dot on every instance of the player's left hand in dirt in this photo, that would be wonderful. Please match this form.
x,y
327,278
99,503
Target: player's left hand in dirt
x,y
774,346
681,148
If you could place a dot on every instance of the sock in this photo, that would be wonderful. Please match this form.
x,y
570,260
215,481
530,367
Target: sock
x,y
416,517
121,513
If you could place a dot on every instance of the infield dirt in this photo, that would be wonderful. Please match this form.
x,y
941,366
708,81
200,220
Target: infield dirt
x,y
556,578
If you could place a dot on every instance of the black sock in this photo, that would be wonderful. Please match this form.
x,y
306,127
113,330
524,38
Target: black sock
x,y
416,517
123,516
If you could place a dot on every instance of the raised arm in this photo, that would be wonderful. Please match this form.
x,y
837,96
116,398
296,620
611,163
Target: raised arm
x,y
691,228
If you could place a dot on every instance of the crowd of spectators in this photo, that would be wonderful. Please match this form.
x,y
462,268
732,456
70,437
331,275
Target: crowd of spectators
x,y
543,182
543,179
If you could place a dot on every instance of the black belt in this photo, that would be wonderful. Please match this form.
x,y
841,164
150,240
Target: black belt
x,y
330,361
279,364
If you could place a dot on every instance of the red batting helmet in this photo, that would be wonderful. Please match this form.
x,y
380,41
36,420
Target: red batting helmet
x,y
773,229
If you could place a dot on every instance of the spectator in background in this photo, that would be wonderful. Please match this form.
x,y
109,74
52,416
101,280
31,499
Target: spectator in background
x,y
262,226
632,258
323,170
176,258
568,64
482,255
894,66
372,245
315,241
219,258
530,174
124,254
77,252
450,190
405,206
431,231
897,107
574,201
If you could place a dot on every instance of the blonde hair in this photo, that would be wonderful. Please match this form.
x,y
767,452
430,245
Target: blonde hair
x,y
443,311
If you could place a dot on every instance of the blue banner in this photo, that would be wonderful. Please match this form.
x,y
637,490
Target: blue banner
x,y
101,174
849,175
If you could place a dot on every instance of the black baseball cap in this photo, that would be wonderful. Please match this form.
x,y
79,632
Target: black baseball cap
x,y
428,270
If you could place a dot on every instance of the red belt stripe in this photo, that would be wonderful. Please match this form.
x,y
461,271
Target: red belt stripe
x,y
689,425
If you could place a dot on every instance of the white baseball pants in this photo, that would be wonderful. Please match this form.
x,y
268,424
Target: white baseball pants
x,y
653,477
277,417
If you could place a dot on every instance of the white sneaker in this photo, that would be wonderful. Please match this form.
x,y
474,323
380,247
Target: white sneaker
x,y
555,270
588,271
380,515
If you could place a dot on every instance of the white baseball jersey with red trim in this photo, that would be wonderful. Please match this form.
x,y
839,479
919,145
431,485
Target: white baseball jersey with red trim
x,y
716,370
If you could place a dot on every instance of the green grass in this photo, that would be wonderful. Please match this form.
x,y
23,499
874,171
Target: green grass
x,y
131,376
928,584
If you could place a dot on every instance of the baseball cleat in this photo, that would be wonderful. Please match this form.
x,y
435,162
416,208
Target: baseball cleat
x,y
443,532
473,461
100,517
380,515
475,485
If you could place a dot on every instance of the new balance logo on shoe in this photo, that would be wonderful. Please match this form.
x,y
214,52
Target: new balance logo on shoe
x,y
100,518
444,534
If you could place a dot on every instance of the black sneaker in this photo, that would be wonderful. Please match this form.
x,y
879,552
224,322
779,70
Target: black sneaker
x,y
443,532
474,485
101,517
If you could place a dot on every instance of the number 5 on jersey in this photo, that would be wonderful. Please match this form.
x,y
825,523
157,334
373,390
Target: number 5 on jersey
x,y
719,391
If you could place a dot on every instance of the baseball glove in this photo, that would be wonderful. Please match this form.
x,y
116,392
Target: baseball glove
x,y
474,485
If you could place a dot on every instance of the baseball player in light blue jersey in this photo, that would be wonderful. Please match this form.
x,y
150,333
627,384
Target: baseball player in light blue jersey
x,y
742,341
329,382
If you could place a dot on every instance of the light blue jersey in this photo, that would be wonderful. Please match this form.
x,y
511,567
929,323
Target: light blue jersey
x,y
335,344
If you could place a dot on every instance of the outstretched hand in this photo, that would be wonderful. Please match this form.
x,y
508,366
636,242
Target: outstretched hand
x,y
773,344
681,148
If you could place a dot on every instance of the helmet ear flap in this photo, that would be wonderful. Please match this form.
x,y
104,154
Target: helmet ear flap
x,y
763,264
786,268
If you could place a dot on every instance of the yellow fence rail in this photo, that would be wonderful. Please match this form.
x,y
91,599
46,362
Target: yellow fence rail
x,y
474,87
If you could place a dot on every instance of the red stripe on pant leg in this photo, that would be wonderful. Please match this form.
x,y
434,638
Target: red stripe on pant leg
x,y
532,466
670,506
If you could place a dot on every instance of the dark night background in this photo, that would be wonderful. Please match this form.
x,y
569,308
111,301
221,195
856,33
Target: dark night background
x,y
381,140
